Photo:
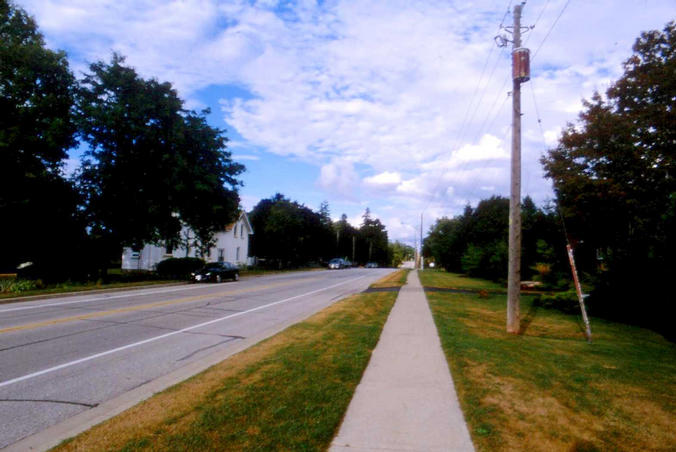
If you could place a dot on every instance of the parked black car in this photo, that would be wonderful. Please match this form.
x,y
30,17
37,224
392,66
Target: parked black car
x,y
216,272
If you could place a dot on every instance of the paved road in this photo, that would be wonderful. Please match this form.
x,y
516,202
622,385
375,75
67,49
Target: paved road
x,y
62,356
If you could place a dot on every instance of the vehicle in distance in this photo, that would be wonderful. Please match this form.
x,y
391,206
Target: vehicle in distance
x,y
216,272
337,263
371,265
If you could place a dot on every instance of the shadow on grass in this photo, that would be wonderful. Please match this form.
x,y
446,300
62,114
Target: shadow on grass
x,y
528,318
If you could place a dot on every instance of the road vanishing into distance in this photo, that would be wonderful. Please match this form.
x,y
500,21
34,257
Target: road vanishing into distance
x,y
62,356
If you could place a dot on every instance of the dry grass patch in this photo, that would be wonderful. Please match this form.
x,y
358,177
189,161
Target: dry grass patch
x,y
394,279
549,390
288,392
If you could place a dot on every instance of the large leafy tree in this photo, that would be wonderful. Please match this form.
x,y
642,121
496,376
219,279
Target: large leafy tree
x,y
151,166
287,233
37,206
614,176
373,243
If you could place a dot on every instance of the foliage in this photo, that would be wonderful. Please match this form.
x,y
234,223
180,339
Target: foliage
x,y
476,241
289,234
563,301
150,164
178,267
36,130
17,285
372,243
400,252
613,174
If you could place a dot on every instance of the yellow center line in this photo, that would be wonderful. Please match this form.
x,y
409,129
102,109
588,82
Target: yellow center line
x,y
141,307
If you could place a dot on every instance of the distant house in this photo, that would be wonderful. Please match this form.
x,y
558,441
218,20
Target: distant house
x,y
231,245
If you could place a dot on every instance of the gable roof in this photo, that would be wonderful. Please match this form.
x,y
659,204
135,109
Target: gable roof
x,y
243,216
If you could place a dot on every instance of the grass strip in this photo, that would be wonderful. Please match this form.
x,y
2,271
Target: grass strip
x,y
288,392
444,280
394,279
547,389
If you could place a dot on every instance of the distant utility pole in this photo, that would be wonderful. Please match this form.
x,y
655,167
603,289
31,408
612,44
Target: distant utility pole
x,y
520,74
422,262
354,246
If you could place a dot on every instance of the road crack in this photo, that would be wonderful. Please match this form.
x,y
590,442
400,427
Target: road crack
x,y
63,402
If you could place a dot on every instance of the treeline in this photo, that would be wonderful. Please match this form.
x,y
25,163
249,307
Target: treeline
x,y
288,234
149,166
614,175
475,242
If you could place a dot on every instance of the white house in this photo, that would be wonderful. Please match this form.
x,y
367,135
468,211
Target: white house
x,y
231,245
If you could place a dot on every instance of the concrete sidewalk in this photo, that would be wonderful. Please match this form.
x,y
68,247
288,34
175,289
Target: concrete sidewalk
x,y
406,400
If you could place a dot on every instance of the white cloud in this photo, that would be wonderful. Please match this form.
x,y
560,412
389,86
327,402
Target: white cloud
x,y
386,99
237,157
383,180
338,177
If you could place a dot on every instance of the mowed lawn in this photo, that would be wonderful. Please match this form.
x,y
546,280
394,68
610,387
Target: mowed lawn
x,y
289,392
548,389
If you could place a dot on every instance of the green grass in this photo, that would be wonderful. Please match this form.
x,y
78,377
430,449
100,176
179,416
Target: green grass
x,y
289,392
394,279
443,279
547,389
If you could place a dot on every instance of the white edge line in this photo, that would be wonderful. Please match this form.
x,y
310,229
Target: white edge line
x,y
140,293
162,336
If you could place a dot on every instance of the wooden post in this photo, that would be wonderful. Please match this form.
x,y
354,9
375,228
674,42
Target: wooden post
x,y
578,289
514,273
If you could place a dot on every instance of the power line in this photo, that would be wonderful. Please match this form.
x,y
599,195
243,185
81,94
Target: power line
x,y
550,30
468,117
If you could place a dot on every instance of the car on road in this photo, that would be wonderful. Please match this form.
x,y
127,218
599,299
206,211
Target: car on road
x,y
371,265
216,272
337,263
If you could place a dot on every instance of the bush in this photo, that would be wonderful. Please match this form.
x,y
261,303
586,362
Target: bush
x,y
178,268
18,285
563,301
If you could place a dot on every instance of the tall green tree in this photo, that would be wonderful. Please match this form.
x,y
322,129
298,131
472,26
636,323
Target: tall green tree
x,y
151,165
37,205
288,234
373,243
614,175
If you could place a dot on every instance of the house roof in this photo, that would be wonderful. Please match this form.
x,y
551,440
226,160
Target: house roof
x,y
243,216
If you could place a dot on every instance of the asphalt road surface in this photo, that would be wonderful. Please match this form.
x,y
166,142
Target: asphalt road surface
x,y
62,356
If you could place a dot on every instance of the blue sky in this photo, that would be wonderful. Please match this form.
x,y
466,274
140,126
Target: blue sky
x,y
399,106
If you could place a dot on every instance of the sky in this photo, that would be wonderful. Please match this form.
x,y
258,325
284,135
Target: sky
x,y
401,106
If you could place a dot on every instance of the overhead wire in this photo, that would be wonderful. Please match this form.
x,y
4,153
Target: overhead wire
x,y
550,30
468,117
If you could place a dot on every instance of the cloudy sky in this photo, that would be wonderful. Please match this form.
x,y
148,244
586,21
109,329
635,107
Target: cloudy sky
x,y
398,105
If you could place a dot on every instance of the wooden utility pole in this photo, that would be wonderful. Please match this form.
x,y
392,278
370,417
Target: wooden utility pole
x,y
422,261
514,274
354,246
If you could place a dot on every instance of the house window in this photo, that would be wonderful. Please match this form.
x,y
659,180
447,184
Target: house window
x,y
169,248
235,230
237,255
241,231
221,255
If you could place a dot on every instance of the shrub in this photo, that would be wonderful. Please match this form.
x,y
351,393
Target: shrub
x,y
563,301
178,268
18,285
